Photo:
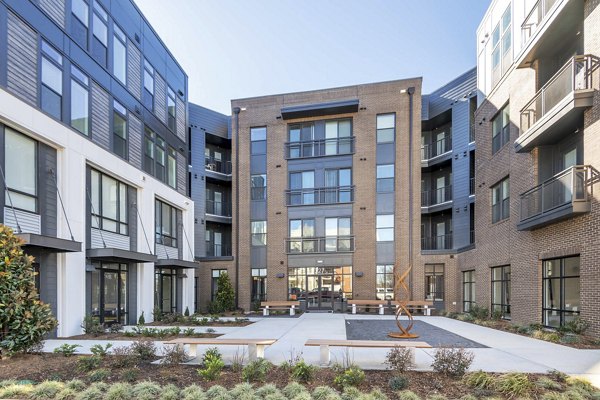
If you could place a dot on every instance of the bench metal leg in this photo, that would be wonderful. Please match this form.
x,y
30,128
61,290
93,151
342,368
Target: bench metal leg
x,y
325,355
266,311
427,311
353,308
293,311
381,309
193,350
256,351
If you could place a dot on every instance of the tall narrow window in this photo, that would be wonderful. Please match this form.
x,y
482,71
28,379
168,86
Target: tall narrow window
x,y
301,140
500,201
301,229
385,178
52,81
386,128
159,172
109,203
338,234
259,233
338,137
258,141
99,33
501,46
501,291
258,191
385,228
166,224
20,168
172,167
259,284
148,86
149,138
165,289
80,11
434,282
340,182
120,55
500,129
119,129
302,186
171,109
561,291
385,282
80,110
468,290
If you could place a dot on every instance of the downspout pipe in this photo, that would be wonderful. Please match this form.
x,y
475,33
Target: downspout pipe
x,y
411,92
236,113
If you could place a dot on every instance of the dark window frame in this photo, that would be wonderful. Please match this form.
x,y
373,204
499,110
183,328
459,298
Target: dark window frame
x,y
437,271
380,130
159,273
468,286
9,190
384,276
46,54
501,134
97,215
500,208
258,284
561,309
80,78
503,306
121,112
172,239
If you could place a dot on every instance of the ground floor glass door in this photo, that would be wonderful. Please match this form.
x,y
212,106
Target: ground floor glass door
x,y
320,287
109,293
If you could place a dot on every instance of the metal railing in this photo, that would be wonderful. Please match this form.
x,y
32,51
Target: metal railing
x,y
217,165
576,74
319,148
325,195
439,147
438,242
471,186
535,18
328,244
220,208
436,196
217,250
566,187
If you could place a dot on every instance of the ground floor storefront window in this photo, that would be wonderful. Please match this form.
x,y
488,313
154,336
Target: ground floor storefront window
x,y
501,291
434,282
320,287
109,292
561,290
468,290
259,284
385,282
165,289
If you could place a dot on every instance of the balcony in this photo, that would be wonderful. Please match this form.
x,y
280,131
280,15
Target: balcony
x,y
311,245
436,152
325,195
320,148
438,242
217,250
437,199
217,168
218,211
565,195
557,107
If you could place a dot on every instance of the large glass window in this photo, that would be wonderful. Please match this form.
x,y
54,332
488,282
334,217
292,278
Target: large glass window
x,y
299,230
501,291
386,128
468,282
259,284
385,228
340,180
80,110
434,282
20,169
500,200
165,289
120,55
338,137
501,46
301,138
52,81
109,287
258,140
215,274
99,33
500,129
259,233
385,282
160,155
119,130
385,178
561,291
258,191
109,203
149,138
171,110
299,181
172,167
148,85
80,11
338,232
321,287
165,222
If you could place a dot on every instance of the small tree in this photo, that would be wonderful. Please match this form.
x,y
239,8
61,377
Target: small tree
x,y
24,319
225,296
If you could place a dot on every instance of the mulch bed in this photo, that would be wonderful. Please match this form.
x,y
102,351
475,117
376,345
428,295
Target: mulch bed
x,y
120,336
209,324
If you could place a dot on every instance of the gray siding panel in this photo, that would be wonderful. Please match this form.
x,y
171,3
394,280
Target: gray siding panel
x,y
28,222
21,59
211,121
47,196
443,98
181,174
134,70
100,116
160,98
135,141
112,240
181,118
55,10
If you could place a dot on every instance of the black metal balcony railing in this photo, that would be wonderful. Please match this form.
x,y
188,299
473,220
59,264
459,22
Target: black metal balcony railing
x,y
566,187
438,242
439,147
217,165
576,74
319,148
535,18
217,250
437,196
328,244
325,195
471,185
220,208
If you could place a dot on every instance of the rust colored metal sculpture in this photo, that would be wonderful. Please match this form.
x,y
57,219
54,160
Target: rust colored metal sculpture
x,y
404,332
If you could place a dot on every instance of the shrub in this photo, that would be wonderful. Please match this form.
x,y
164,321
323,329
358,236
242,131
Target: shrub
x,y
468,397
141,319
129,375
123,357
15,391
189,332
303,372
92,326
170,392
570,339
408,395
256,371
213,364
225,296
91,393
293,389
115,328
352,376
553,396
242,391
400,359
582,386
217,392
210,330
452,362
99,350
146,390
76,384
211,352
119,391
397,383
98,375
480,380
577,325
548,384
238,360
174,355
193,392
187,312
324,393
86,364
514,384
143,350
46,390
67,394
267,390
24,320
479,312
437,397
303,396
66,349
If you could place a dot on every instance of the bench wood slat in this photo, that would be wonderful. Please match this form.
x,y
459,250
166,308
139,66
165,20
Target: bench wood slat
x,y
239,342
367,343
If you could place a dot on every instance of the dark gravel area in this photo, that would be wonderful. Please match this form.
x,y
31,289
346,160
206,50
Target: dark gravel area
x,y
364,329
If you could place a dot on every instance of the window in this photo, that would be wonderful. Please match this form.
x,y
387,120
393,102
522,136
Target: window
x,y
214,243
301,138
501,46
385,228
216,273
79,23
149,138
258,141
120,55
99,33
468,279
165,221
259,284
338,137
386,128
160,160
385,178
109,204
500,201
341,181
171,109
165,290
20,167
259,233
300,229
109,297
159,152
501,291
299,181
52,81
434,282
119,129
500,129
385,282
80,110
148,86
258,191
561,291
172,167
337,232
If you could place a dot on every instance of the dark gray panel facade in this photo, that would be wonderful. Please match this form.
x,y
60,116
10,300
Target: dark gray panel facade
x,y
21,59
47,189
136,135
100,116
181,122
181,174
55,10
134,70
160,98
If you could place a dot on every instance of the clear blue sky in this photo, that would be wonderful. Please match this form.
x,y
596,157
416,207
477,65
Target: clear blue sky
x,y
243,48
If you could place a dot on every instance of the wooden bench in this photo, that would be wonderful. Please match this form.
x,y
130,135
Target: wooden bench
x,y
325,344
256,347
279,305
418,305
379,304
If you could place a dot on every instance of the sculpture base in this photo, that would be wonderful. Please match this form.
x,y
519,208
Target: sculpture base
x,y
402,335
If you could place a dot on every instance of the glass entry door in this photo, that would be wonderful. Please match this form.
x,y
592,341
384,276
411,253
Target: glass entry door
x,y
109,293
320,292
